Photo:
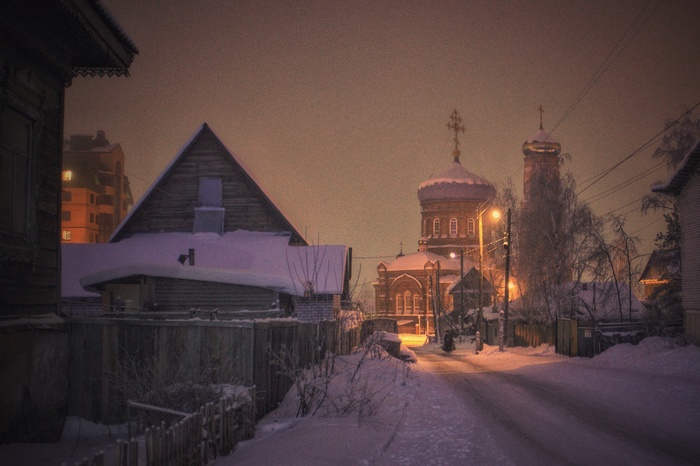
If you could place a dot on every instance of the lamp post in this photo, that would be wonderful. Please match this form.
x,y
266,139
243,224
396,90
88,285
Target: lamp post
x,y
480,316
461,285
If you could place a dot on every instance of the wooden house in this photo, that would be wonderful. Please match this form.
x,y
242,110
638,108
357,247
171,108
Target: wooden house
x,y
207,237
685,185
206,188
43,46
661,268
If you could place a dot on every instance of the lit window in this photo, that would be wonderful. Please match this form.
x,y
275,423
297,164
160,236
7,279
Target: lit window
x,y
65,234
407,302
453,227
67,175
399,303
436,227
470,226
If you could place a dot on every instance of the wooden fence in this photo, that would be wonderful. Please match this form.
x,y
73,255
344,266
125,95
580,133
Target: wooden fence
x,y
239,351
196,439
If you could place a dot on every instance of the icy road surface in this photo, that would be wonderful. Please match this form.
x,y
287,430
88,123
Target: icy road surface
x,y
534,409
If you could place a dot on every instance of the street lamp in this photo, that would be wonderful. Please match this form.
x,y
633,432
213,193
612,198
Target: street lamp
x,y
479,213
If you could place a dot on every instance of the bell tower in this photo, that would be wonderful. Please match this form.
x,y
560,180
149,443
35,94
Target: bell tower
x,y
541,162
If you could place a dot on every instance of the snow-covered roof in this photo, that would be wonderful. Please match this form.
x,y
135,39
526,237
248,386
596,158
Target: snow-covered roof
x,y
175,159
260,259
456,183
541,143
542,136
418,260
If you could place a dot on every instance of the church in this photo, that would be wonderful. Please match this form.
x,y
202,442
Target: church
x,y
410,287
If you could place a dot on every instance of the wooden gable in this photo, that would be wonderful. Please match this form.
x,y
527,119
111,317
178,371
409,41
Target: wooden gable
x,y
170,203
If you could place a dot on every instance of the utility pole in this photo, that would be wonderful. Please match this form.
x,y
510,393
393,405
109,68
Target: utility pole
x,y
506,245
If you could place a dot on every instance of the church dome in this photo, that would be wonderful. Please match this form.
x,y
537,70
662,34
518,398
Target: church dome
x,y
456,184
541,143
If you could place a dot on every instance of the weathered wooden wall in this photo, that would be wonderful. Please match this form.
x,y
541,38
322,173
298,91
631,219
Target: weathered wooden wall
x,y
180,295
171,205
236,350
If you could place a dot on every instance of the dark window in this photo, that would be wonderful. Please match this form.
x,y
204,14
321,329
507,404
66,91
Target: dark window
x,y
210,192
92,198
66,196
106,199
65,215
15,149
92,218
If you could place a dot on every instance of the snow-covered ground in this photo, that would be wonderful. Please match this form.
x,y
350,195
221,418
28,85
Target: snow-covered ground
x,y
440,414
630,405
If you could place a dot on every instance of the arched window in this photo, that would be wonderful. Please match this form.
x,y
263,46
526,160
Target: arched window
x,y
436,227
453,227
407,302
399,303
416,304
470,227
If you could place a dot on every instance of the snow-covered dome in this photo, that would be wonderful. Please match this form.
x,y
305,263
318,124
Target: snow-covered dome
x,y
455,184
541,143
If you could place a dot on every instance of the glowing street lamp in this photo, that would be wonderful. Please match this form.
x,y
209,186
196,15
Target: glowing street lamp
x,y
479,212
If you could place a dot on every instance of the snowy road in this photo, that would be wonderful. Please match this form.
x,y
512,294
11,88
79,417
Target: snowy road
x,y
572,414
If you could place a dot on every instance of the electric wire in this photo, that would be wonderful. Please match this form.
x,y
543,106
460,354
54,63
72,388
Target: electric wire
x,y
609,59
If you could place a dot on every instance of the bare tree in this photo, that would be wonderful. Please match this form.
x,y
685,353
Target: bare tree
x,y
555,236
612,261
679,137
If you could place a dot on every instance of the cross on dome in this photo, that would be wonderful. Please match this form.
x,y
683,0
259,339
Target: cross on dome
x,y
455,124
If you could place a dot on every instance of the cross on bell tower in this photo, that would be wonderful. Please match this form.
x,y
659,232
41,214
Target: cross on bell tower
x,y
455,124
541,109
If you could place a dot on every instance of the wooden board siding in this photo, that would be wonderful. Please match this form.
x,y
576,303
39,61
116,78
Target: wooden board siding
x,y
690,251
29,272
170,206
182,295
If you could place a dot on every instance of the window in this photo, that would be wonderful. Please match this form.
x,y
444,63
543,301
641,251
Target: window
x,y
470,227
92,237
210,193
407,302
66,175
436,227
453,227
65,216
92,218
15,147
66,196
65,234
416,304
92,198
399,304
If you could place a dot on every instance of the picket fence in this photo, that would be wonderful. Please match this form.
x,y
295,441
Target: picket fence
x,y
195,440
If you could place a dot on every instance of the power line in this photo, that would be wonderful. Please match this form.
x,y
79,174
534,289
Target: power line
x,y
603,174
624,184
609,59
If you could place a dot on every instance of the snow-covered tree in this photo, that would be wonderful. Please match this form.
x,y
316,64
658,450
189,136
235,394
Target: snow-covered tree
x,y
555,235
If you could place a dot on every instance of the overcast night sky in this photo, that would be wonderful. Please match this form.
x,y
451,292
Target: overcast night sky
x,y
339,108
